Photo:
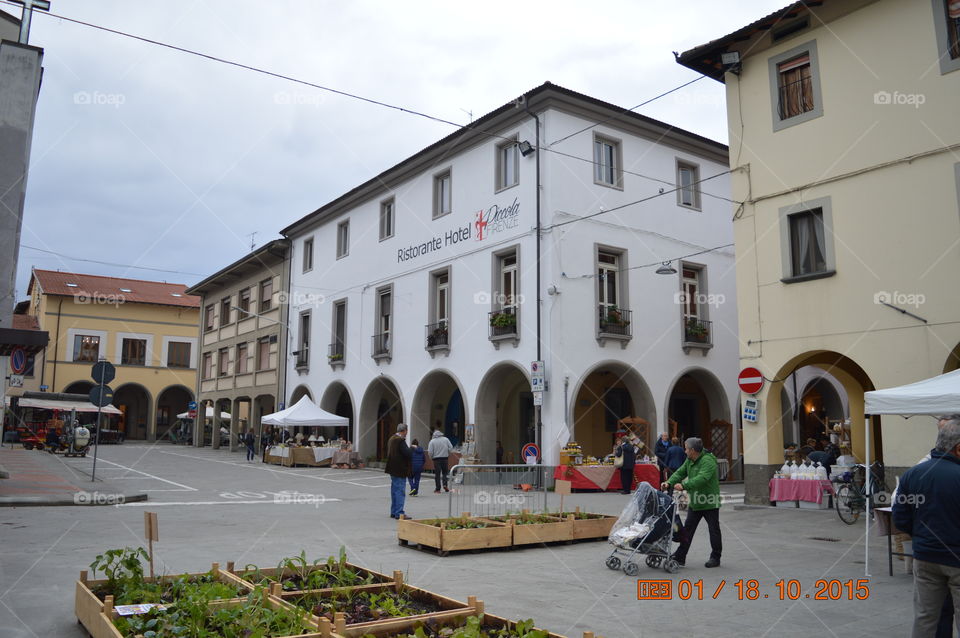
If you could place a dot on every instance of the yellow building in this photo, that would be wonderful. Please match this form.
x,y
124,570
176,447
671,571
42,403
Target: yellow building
x,y
844,149
147,329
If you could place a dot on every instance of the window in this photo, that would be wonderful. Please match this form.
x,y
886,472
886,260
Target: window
x,y
946,18
612,313
338,347
607,162
688,185
438,330
442,194
178,354
207,365
225,311
208,318
690,286
508,160
223,362
608,279
795,86
243,302
241,358
384,322
308,255
386,219
507,293
86,348
29,366
806,240
303,341
266,294
343,239
263,354
442,295
696,328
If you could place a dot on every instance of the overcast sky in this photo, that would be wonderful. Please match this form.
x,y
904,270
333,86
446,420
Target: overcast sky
x,y
144,156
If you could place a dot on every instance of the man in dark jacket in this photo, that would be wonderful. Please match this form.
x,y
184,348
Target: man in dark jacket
x,y
927,506
629,455
660,450
399,469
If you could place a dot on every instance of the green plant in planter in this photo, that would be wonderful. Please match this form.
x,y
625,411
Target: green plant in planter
x,y
472,627
503,320
335,357
615,316
124,571
696,329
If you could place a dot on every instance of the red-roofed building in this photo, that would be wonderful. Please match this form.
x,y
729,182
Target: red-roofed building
x,y
147,329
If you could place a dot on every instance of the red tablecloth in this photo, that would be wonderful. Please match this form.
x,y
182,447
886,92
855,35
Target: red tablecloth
x,y
605,477
799,490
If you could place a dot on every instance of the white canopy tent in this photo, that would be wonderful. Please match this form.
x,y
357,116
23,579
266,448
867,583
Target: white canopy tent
x,y
209,414
935,396
304,414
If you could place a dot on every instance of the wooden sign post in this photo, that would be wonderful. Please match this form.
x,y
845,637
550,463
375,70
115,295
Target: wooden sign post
x,y
151,532
562,488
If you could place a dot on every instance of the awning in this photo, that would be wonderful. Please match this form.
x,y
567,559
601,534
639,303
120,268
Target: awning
x,y
209,413
304,414
79,406
935,396
32,341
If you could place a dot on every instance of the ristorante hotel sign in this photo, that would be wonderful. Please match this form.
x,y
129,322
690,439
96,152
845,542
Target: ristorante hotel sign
x,y
486,224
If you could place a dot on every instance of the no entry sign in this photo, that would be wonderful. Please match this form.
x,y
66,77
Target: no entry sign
x,y
750,380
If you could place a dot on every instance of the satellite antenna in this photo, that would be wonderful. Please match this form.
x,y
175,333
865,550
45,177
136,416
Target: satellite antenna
x,y
252,243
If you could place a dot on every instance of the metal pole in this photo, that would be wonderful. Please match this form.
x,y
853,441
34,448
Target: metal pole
x,y
538,425
96,439
866,522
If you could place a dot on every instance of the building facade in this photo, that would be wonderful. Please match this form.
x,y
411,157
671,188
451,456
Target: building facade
x,y
147,329
845,156
424,295
243,340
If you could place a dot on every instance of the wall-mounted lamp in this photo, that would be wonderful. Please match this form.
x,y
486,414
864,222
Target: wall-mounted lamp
x,y
552,289
731,61
666,268
526,148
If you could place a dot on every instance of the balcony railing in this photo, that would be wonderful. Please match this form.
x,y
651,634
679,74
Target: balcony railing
x,y
503,322
697,331
381,344
614,321
303,356
438,334
335,353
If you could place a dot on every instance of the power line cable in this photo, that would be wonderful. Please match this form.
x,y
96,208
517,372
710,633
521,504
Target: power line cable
x,y
110,263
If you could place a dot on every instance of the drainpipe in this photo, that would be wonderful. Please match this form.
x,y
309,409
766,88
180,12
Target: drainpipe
x,y
537,409
56,351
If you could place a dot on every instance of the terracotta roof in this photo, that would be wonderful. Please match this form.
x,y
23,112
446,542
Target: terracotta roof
x,y
53,282
25,322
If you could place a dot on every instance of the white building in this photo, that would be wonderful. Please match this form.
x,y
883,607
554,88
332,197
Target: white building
x,y
414,296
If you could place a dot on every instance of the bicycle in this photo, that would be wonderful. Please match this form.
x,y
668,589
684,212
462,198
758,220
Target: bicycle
x,y
851,496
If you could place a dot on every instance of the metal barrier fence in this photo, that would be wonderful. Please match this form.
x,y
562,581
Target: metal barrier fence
x,y
494,490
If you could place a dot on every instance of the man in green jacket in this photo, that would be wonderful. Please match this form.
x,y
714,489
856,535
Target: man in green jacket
x,y
698,476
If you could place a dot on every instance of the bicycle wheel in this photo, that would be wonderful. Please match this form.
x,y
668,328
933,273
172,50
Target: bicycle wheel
x,y
848,504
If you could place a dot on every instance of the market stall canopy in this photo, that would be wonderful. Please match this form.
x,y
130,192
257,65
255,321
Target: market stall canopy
x,y
304,414
937,396
209,414
79,406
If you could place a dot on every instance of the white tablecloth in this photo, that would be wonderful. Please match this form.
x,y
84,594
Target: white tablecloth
x,y
324,453
723,468
279,450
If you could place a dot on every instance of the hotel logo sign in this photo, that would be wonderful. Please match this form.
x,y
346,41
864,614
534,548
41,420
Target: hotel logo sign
x,y
486,224
496,220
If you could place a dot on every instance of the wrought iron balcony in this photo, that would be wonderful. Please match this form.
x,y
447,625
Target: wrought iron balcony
x,y
438,334
381,345
503,322
336,353
697,331
303,356
614,321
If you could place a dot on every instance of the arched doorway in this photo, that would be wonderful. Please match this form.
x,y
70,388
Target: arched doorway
x,y
336,400
380,411
438,401
953,360
505,413
610,391
821,405
298,393
133,400
697,406
172,401
79,387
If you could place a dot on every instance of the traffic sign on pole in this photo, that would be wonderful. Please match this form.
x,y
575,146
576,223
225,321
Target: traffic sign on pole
x,y
103,372
530,451
101,395
537,380
18,360
750,380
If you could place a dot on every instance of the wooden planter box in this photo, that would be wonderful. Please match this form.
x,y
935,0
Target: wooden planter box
x,y
274,575
448,608
555,531
95,614
424,533
597,526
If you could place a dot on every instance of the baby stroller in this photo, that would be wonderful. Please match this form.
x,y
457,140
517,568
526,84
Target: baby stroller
x,y
647,525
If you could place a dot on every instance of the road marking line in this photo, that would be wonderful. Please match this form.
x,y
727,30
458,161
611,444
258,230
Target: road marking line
x,y
286,472
186,488
263,502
